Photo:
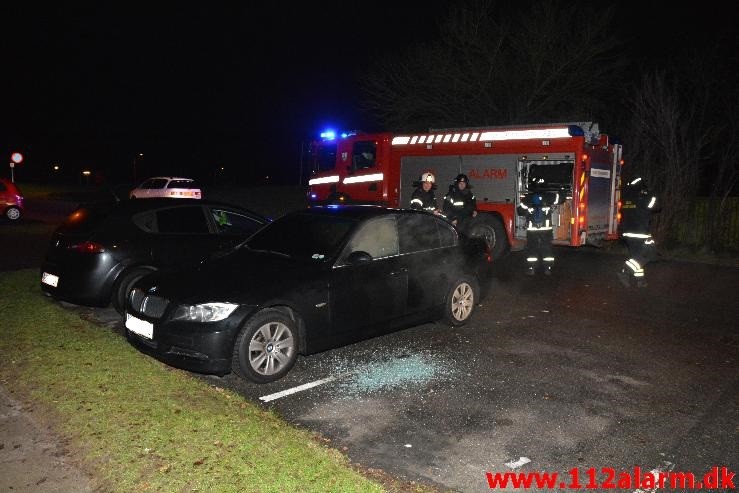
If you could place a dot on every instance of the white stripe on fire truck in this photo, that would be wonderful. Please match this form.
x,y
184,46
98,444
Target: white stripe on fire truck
x,y
490,135
363,178
324,179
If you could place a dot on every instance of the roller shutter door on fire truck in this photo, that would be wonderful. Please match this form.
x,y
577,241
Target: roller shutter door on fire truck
x,y
493,177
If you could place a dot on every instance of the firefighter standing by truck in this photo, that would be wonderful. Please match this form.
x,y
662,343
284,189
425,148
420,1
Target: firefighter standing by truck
x,y
460,205
537,209
423,197
636,213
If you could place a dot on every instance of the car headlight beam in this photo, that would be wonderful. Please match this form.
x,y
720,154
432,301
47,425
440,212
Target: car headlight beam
x,y
204,312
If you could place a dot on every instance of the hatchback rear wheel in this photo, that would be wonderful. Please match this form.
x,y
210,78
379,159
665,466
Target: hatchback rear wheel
x,y
460,301
266,348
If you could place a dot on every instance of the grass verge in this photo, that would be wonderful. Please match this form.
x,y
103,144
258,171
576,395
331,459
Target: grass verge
x,y
142,426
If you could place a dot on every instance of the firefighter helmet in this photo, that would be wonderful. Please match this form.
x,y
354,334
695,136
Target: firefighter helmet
x,y
428,177
462,177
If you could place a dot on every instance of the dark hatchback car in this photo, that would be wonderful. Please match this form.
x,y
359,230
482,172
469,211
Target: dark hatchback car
x,y
312,280
100,250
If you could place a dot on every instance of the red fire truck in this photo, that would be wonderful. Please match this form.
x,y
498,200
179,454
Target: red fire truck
x,y
502,163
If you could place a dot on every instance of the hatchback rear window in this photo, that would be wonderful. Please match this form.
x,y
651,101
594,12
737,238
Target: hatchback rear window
x,y
182,220
182,184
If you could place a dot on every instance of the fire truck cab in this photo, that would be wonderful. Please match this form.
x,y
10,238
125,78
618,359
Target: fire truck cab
x,y
502,163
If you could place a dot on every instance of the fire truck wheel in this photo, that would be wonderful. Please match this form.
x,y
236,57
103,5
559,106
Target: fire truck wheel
x,y
491,229
267,347
460,301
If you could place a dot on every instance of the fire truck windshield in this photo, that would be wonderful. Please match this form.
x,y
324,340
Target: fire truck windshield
x,y
324,156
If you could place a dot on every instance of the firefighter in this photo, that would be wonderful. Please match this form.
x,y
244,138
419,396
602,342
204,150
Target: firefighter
x,y
637,206
460,205
537,208
423,197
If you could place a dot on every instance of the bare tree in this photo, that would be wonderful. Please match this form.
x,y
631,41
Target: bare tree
x,y
492,66
667,144
684,138
725,173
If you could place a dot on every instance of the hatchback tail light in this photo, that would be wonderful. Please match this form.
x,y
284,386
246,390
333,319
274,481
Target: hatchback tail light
x,y
87,247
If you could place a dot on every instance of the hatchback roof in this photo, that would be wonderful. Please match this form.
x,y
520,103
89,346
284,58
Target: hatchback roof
x,y
170,178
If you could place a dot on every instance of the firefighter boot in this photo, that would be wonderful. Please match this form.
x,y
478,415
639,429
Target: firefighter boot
x,y
625,278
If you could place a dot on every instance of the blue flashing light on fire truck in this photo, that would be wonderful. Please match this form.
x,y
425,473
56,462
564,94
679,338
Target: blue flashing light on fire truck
x,y
502,163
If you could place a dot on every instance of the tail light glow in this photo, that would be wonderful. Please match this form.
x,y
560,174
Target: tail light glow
x,y
87,247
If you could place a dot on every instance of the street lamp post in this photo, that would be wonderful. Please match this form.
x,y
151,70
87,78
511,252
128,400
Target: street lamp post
x,y
135,158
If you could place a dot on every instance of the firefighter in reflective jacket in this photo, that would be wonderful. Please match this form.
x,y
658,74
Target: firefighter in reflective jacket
x,y
460,205
637,206
423,197
537,208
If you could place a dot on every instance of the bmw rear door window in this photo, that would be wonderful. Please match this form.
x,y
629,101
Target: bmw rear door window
x,y
417,232
447,234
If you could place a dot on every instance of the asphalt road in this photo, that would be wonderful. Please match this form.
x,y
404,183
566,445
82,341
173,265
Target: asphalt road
x,y
568,371
571,371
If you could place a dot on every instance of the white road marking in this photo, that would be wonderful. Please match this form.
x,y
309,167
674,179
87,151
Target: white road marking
x,y
295,390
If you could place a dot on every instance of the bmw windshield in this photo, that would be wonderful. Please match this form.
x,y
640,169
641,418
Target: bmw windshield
x,y
303,235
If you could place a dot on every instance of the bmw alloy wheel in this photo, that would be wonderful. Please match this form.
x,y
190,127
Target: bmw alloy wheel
x,y
271,348
460,301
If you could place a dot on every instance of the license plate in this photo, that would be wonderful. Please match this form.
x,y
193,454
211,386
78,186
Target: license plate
x,y
50,279
140,327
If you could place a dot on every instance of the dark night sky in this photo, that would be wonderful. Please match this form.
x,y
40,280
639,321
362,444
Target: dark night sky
x,y
216,84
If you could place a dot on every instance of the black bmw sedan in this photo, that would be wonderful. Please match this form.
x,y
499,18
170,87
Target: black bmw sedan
x,y
312,280
101,249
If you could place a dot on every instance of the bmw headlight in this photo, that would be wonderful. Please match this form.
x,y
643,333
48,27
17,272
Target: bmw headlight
x,y
205,312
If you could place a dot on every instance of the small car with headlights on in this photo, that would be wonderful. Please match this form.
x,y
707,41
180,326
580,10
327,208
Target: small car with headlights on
x,y
312,280
101,249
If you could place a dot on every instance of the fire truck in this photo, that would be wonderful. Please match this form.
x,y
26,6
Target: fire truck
x,y
502,163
